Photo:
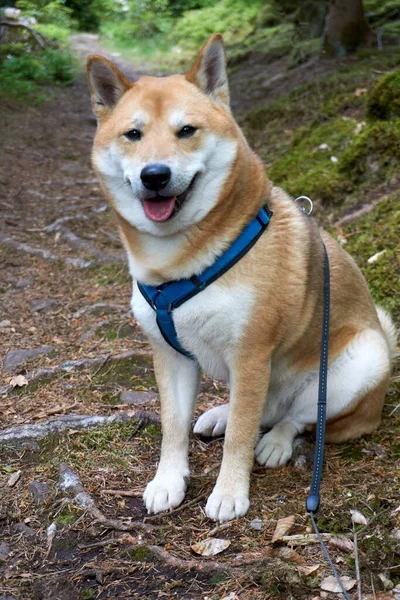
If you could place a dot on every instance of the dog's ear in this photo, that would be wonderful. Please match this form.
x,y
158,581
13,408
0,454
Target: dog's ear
x,y
209,70
107,84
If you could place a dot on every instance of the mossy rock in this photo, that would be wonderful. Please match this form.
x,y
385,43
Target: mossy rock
x,y
373,233
383,101
373,151
307,168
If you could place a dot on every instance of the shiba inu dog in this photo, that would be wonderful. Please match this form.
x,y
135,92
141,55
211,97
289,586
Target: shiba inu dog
x,y
184,183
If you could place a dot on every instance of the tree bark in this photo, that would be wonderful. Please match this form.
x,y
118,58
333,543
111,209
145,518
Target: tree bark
x,y
346,29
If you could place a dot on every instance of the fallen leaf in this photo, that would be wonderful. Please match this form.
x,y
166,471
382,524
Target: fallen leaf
x,y
330,584
283,527
375,257
14,478
360,91
358,517
342,543
308,569
210,546
290,555
18,381
51,532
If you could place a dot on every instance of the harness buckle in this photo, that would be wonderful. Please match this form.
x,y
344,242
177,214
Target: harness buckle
x,y
303,208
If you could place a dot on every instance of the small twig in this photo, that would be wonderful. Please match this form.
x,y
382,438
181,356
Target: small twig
x,y
357,561
178,509
372,586
127,493
218,528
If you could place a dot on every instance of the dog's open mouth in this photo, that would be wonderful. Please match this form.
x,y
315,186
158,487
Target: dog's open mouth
x,y
161,208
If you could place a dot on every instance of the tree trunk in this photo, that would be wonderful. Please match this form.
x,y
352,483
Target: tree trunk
x,y
346,29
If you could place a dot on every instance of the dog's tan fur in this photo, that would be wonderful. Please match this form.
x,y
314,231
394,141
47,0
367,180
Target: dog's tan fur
x,y
283,271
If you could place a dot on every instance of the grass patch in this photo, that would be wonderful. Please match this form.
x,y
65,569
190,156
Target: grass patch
x,y
112,274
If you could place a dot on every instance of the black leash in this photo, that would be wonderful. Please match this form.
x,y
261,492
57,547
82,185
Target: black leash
x,y
313,499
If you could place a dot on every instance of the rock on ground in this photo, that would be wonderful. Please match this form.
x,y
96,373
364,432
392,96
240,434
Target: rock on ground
x,y
16,358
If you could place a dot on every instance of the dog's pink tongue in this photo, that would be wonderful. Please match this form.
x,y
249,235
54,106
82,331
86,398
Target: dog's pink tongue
x,y
159,209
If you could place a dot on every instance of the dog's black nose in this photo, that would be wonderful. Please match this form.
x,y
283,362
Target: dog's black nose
x,y
155,177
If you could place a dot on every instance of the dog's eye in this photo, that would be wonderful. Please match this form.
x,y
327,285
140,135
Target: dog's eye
x,y
186,131
134,135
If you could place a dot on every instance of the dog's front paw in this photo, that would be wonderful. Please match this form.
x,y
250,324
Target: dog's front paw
x,y
273,450
165,492
225,506
213,422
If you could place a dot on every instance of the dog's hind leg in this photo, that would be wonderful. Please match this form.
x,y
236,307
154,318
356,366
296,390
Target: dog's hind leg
x,y
213,422
275,447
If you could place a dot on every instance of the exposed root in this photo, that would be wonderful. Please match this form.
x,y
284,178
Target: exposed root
x,y
69,366
46,254
71,485
79,244
37,431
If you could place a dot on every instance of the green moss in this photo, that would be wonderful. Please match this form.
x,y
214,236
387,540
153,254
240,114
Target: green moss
x,y
88,594
152,432
113,274
374,153
141,554
384,98
373,233
307,169
67,516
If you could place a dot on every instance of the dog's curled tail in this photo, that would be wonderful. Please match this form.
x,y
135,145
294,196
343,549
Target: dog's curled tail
x,y
389,330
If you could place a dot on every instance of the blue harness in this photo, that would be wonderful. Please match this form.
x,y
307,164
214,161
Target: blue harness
x,y
166,297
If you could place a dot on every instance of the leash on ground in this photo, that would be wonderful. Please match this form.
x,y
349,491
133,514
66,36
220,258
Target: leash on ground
x,y
313,499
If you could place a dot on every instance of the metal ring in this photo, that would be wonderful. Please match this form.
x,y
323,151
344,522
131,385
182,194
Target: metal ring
x,y
307,199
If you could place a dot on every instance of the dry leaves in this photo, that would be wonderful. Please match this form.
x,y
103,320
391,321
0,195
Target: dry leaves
x,y
308,570
330,584
358,517
18,381
283,527
344,544
210,546
14,478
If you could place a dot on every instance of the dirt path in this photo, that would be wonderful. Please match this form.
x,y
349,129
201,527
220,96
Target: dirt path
x,y
67,331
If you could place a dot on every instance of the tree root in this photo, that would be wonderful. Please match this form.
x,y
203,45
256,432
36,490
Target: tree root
x,y
36,431
46,254
79,244
71,485
69,366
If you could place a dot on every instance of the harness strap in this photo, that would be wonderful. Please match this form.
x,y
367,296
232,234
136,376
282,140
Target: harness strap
x,y
168,296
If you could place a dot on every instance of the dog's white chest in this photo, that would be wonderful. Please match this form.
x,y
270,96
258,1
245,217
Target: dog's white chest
x,y
208,325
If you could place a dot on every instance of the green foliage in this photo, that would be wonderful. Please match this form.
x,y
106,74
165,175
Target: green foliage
x,y
375,152
47,11
54,32
89,15
234,18
384,98
22,75
144,19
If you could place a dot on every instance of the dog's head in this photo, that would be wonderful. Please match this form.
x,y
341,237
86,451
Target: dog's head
x,y
164,145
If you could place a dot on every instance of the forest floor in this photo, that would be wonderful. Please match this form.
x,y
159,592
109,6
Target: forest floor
x,y
65,293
